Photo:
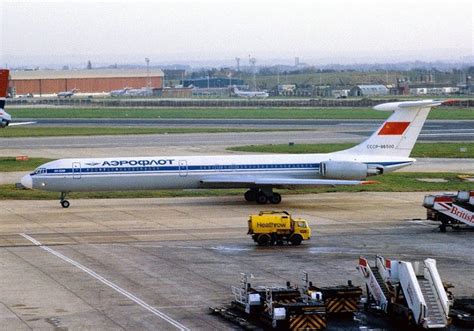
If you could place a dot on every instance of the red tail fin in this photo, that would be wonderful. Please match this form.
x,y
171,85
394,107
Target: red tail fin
x,y
4,73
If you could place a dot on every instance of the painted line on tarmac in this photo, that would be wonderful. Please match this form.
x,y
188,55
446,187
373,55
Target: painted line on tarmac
x,y
103,280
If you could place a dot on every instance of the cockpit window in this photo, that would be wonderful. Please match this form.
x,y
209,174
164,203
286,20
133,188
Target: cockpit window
x,y
39,171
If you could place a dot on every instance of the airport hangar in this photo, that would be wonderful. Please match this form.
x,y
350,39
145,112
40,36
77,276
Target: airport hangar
x,y
41,82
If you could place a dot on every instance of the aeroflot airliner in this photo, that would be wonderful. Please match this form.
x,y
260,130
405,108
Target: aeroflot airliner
x,y
386,150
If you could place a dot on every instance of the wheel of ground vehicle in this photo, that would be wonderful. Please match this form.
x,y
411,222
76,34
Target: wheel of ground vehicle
x,y
264,239
295,239
275,198
65,203
442,227
250,195
261,198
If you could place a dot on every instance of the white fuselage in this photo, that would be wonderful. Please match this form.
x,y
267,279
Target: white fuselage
x,y
246,94
185,172
4,116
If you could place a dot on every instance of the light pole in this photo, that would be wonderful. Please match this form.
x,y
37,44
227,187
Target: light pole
x,y
147,60
252,62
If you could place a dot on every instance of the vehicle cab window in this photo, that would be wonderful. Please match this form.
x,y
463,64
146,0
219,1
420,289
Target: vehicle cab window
x,y
301,224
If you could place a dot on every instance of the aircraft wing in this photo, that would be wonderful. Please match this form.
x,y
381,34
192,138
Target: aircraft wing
x,y
20,123
223,180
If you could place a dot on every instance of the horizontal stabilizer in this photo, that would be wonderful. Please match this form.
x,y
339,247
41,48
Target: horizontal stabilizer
x,y
20,123
392,106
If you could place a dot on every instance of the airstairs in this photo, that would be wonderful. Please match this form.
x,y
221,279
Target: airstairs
x,y
415,288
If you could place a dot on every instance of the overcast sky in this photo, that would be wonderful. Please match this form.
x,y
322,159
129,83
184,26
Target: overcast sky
x,y
178,31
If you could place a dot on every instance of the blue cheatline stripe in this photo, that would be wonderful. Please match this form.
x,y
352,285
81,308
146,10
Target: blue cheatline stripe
x,y
199,168
100,170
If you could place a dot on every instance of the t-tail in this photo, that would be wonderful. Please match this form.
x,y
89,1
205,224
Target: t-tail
x,y
5,118
398,134
4,73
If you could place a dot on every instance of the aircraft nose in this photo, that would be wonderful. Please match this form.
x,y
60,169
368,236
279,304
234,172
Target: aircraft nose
x,y
27,181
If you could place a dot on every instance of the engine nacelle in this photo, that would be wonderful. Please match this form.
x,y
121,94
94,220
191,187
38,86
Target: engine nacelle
x,y
348,170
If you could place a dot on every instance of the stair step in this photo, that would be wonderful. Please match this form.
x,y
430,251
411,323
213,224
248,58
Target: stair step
x,y
434,314
380,281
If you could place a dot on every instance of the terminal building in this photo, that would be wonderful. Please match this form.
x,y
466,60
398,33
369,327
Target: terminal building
x,y
39,82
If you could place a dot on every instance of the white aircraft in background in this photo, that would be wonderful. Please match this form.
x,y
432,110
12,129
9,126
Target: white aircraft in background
x,y
67,94
386,150
132,92
5,118
139,92
119,93
249,94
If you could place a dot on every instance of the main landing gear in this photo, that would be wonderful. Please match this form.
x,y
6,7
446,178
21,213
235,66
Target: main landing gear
x,y
62,200
262,196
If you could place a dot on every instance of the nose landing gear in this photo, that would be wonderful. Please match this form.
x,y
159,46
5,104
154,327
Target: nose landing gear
x,y
62,200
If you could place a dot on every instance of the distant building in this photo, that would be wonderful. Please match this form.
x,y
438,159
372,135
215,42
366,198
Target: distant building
x,y
212,82
368,90
86,81
322,91
340,93
434,90
402,87
177,92
286,89
175,74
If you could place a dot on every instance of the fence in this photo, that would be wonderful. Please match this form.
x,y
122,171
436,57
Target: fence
x,y
208,103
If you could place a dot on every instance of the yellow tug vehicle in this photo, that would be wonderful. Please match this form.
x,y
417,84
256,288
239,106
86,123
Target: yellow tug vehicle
x,y
277,227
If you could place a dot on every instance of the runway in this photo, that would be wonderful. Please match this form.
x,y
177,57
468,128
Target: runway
x,y
157,264
434,130
253,123
312,132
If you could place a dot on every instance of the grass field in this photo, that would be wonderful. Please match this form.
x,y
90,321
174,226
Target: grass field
x,y
10,164
394,182
32,131
437,150
231,113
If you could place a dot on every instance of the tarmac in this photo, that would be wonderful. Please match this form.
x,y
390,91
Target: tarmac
x,y
157,264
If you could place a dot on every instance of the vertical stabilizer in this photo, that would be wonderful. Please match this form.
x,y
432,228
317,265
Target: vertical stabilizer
x,y
398,134
4,73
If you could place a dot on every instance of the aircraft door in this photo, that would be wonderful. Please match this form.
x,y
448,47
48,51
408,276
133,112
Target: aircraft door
x,y
76,170
183,168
